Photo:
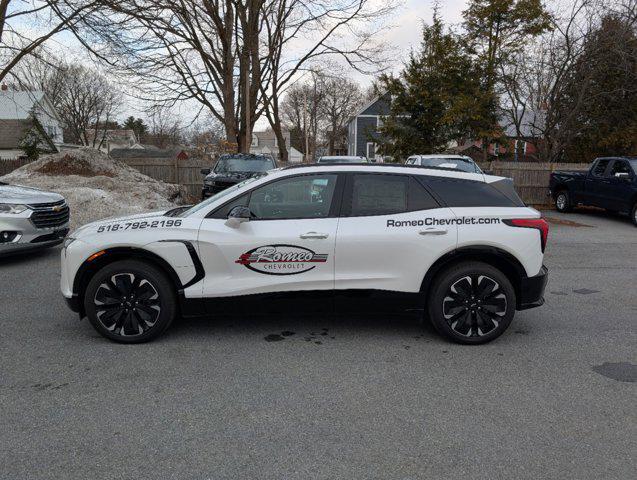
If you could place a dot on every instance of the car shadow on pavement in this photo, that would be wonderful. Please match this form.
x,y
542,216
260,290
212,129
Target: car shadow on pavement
x,y
8,259
316,329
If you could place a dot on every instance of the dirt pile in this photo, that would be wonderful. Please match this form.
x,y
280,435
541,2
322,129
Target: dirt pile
x,y
96,186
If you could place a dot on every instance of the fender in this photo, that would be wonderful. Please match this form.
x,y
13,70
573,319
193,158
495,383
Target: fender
x,y
502,260
89,268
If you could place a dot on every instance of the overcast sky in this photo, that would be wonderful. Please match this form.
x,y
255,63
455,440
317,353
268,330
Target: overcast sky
x,y
403,32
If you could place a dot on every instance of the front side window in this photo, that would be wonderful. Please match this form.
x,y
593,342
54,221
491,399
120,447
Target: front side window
x,y
306,196
600,168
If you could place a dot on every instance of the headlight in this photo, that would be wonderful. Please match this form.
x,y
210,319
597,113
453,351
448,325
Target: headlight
x,y
209,181
12,208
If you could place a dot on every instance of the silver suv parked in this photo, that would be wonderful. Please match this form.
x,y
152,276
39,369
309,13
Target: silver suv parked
x,y
31,218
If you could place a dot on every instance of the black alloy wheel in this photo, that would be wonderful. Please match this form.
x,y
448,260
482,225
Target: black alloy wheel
x,y
471,302
130,301
127,304
474,305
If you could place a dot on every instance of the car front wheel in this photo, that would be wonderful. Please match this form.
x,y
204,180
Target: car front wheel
x,y
633,214
472,303
130,301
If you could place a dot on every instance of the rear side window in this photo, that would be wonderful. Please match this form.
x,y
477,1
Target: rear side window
x,y
619,166
457,192
381,194
600,168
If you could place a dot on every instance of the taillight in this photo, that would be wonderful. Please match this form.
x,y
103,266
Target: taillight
x,y
538,223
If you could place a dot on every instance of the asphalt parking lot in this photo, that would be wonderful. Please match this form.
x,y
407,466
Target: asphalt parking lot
x,y
354,398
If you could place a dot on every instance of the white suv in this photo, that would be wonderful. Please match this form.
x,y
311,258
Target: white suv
x,y
460,248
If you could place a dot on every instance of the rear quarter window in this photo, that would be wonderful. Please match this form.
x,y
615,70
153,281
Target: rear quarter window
x,y
457,192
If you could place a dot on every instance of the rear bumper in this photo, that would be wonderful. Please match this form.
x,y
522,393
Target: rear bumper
x,y
532,290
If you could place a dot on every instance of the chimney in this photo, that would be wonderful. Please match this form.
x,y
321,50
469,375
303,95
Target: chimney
x,y
4,87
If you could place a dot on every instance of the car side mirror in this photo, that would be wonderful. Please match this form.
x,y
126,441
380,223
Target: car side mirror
x,y
237,216
205,171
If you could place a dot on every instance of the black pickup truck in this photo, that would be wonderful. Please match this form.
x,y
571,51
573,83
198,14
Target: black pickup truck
x,y
610,183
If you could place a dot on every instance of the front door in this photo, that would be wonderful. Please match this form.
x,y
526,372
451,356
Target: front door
x,y
618,189
287,245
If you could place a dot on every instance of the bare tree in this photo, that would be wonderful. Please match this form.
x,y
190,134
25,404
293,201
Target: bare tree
x,y
234,57
340,101
316,112
319,24
46,18
88,104
165,129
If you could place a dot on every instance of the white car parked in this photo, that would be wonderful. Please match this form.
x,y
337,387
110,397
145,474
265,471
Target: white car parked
x,y
456,162
460,248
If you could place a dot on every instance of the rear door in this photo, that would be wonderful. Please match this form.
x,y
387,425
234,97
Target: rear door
x,y
390,232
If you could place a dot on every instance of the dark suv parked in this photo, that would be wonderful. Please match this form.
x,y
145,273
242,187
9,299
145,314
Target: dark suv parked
x,y
233,168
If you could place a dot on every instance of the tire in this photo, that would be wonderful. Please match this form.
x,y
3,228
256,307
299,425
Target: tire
x,y
563,201
471,303
633,214
141,301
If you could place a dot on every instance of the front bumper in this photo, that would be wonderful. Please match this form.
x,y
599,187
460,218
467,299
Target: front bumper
x,y
26,236
532,290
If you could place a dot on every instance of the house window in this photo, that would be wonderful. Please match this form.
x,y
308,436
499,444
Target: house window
x,y
380,121
371,150
255,141
496,149
524,145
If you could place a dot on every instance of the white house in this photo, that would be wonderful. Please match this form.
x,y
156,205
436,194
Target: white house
x,y
18,110
265,143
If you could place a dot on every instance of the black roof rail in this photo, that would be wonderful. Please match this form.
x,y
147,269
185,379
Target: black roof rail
x,y
384,165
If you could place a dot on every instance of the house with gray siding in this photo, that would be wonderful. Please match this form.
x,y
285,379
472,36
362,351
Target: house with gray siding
x,y
363,128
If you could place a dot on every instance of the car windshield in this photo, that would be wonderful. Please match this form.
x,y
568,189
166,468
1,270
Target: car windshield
x,y
633,163
342,160
217,196
243,164
450,162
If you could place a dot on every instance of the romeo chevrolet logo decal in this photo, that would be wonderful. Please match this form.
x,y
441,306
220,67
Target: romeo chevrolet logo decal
x,y
281,259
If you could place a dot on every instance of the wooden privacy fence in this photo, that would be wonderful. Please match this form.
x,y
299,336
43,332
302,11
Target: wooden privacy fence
x,y
184,172
531,179
9,165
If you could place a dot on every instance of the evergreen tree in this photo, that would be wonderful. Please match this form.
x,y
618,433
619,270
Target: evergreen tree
x,y
495,30
434,98
137,125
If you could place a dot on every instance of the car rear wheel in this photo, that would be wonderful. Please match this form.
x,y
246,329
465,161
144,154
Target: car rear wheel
x,y
130,302
563,201
472,303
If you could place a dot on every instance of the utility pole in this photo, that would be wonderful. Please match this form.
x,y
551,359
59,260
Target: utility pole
x,y
306,127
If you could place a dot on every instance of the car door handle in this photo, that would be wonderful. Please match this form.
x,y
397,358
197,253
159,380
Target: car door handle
x,y
433,231
310,235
